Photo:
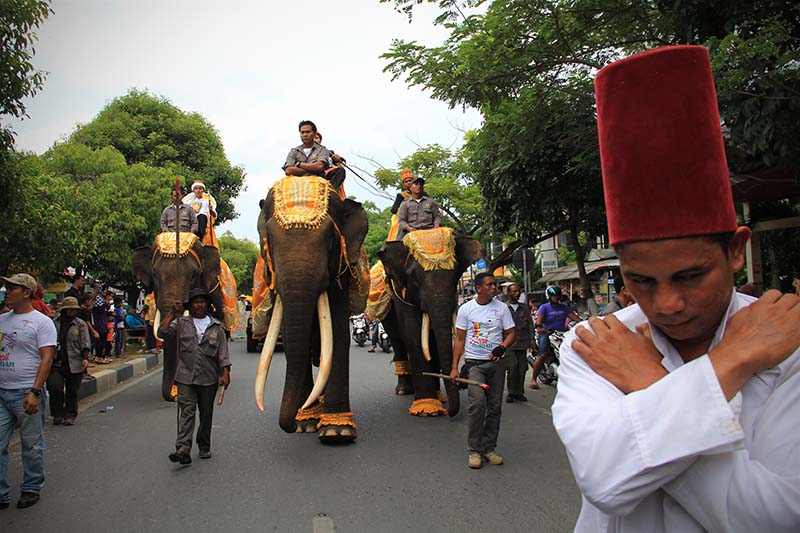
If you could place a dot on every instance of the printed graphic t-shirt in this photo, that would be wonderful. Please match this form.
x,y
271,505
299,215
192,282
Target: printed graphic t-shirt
x,y
484,325
21,336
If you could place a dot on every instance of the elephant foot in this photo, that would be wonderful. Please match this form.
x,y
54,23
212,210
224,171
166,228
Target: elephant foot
x,y
404,385
427,407
308,419
337,428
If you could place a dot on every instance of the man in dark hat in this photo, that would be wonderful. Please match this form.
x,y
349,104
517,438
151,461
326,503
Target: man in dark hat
x,y
71,359
203,366
679,413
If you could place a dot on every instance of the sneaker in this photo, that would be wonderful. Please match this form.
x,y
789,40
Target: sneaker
x,y
520,398
182,458
510,399
205,454
69,421
475,460
57,421
27,499
492,458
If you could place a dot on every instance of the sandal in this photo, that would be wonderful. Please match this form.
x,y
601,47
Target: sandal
x,y
533,385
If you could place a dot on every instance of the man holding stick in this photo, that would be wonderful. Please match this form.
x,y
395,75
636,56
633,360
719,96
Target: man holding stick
x,y
491,332
203,366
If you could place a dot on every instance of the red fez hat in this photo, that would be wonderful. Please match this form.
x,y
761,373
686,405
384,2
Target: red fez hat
x,y
664,168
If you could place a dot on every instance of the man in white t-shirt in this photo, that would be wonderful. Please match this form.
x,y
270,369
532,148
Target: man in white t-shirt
x,y
27,344
484,330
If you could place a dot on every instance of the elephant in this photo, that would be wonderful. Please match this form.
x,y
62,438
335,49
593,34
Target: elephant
x,y
309,254
424,303
171,277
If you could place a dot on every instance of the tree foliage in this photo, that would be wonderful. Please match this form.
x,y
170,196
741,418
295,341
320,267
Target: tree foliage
x,y
19,79
379,221
241,256
150,130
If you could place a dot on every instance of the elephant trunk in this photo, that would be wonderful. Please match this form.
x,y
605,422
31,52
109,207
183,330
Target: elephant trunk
x,y
299,306
441,324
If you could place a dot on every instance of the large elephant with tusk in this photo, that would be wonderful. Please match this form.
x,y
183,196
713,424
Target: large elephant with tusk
x,y
171,272
422,274
311,246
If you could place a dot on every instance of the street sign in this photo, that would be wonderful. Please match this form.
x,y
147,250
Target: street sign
x,y
549,261
481,264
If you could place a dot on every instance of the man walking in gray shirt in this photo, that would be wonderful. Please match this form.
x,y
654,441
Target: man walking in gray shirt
x,y
203,366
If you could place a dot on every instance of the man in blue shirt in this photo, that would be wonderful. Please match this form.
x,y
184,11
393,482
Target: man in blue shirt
x,y
550,316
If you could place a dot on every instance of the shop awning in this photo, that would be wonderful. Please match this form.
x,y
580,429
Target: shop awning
x,y
571,271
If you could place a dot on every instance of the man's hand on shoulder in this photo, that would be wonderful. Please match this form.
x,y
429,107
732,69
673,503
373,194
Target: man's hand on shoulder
x,y
757,338
629,360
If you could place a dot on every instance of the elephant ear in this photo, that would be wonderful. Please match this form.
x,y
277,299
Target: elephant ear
x,y
210,257
142,266
354,228
468,250
393,255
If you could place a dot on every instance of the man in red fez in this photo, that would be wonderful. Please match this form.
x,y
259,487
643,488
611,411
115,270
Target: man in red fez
x,y
679,413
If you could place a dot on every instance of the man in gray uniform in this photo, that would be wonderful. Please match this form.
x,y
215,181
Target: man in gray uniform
x,y
171,214
308,158
419,211
203,366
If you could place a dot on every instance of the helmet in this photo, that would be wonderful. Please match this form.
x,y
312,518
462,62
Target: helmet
x,y
553,290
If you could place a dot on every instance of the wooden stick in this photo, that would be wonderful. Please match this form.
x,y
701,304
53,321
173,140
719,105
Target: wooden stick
x,y
484,386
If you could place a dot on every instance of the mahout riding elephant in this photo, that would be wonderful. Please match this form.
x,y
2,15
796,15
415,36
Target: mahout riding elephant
x,y
311,245
424,302
171,275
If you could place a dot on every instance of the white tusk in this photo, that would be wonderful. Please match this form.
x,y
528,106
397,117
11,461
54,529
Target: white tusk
x,y
325,348
425,336
266,352
157,324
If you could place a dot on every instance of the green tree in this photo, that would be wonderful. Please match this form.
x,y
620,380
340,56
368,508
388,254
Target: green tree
x,y
150,130
241,256
19,79
379,221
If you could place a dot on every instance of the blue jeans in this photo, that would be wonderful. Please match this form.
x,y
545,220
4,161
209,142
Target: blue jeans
x,y
543,344
119,341
31,436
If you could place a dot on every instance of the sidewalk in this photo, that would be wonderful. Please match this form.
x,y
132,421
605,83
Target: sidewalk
x,y
135,362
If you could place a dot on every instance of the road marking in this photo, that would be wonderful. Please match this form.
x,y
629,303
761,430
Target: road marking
x,y
323,523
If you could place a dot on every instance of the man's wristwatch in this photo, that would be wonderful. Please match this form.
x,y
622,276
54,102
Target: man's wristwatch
x,y
34,390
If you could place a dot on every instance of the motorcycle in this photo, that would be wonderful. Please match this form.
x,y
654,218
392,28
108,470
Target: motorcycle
x,y
549,373
383,339
358,324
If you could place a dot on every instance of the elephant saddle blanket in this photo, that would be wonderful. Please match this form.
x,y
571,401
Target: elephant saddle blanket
x,y
379,299
301,201
227,285
433,248
262,301
165,244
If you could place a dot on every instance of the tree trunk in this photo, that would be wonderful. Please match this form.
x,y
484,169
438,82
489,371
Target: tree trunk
x,y
584,278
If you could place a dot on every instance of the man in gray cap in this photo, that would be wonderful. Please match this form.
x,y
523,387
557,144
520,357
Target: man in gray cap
x,y
203,366
70,360
27,342
418,212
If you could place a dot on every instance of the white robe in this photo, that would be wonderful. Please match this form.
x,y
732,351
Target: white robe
x,y
677,456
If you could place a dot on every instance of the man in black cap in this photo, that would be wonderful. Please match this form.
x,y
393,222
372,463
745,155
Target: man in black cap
x,y
418,212
203,366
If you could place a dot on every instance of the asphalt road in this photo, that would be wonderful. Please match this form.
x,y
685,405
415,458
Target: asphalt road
x,y
110,471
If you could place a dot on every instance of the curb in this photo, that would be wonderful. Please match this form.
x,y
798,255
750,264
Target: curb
x,y
105,380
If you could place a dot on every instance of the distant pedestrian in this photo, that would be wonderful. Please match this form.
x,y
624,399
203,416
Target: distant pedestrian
x,y
70,361
516,361
77,287
203,366
102,348
484,330
622,299
27,342
119,327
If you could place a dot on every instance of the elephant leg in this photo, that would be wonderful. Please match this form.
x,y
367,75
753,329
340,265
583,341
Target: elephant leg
x,y
336,423
169,368
426,402
307,419
400,359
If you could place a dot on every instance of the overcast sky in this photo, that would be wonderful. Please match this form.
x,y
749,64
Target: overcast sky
x,y
254,69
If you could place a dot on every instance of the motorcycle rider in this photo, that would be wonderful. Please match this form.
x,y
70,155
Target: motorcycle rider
x,y
550,316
